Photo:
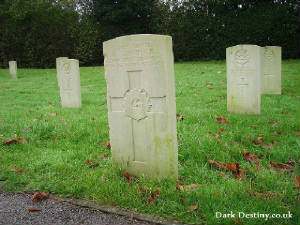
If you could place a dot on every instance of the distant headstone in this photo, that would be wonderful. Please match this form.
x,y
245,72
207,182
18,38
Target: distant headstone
x,y
243,79
59,78
13,69
69,82
271,70
141,104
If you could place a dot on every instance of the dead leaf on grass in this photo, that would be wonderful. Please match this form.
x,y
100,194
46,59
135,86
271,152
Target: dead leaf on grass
x,y
192,208
40,196
180,116
282,167
259,140
128,176
107,144
251,158
31,209
221,120
91,164
16,170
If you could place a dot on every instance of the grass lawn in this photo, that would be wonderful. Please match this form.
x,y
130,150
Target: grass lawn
x,y
61,140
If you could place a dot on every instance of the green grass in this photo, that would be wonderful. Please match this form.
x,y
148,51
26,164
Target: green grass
x,y
54,159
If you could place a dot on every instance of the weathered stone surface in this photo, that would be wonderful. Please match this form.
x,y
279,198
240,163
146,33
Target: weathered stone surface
x,y
69,82
244,79
141,104
13,69
271,70
57,68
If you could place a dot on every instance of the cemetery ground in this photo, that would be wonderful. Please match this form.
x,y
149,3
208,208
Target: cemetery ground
x,y
66,151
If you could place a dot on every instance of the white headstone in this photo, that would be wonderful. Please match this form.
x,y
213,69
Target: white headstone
x,y
13,69
59,78
69,82
141,104
243,79
271,70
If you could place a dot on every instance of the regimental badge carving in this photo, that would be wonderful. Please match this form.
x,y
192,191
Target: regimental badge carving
x,y
268,55
137,104
67,80
241,57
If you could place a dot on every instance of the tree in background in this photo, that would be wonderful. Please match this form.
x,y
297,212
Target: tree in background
x,y
35,32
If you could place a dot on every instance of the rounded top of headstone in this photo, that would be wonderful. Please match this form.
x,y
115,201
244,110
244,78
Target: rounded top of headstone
x,y
242,45
137,37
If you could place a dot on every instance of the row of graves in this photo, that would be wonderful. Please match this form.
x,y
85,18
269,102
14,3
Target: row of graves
x,y
139,72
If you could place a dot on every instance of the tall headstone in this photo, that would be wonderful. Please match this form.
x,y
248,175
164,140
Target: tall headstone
x,y
13,69
271,70
243,79
59,78
141,104
69,83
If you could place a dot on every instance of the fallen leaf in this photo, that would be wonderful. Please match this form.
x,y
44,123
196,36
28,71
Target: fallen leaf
x,y
107,144
128,176
259,140
180,142
277,133
251,158
52,113
269,145
22,140
221,120
180,116
30,209
91,164
221,129
236,220
225,176
297,133
209,84
32,112
93,118
232,167
50,103
183,200
17,170
10,141
273,123
40,196
140,189
150,200
103,156
55,138
264,196
192,208
282,167
285,112
190,187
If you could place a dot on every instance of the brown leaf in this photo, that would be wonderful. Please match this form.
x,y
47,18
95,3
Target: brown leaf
x,y
10,141
150,200
269,145
282,167
209,84
180,116
128,176
30,209
232,167
221,129
103,156
107,144
17,170
155,194
277,133
236,220
221,120
40,196
140,189
183,200
251,158
52,113
225,176
91,164
55,138
264,196
273,123
192,208
22,140
259,140
297,182
93,118
285,112
297,133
